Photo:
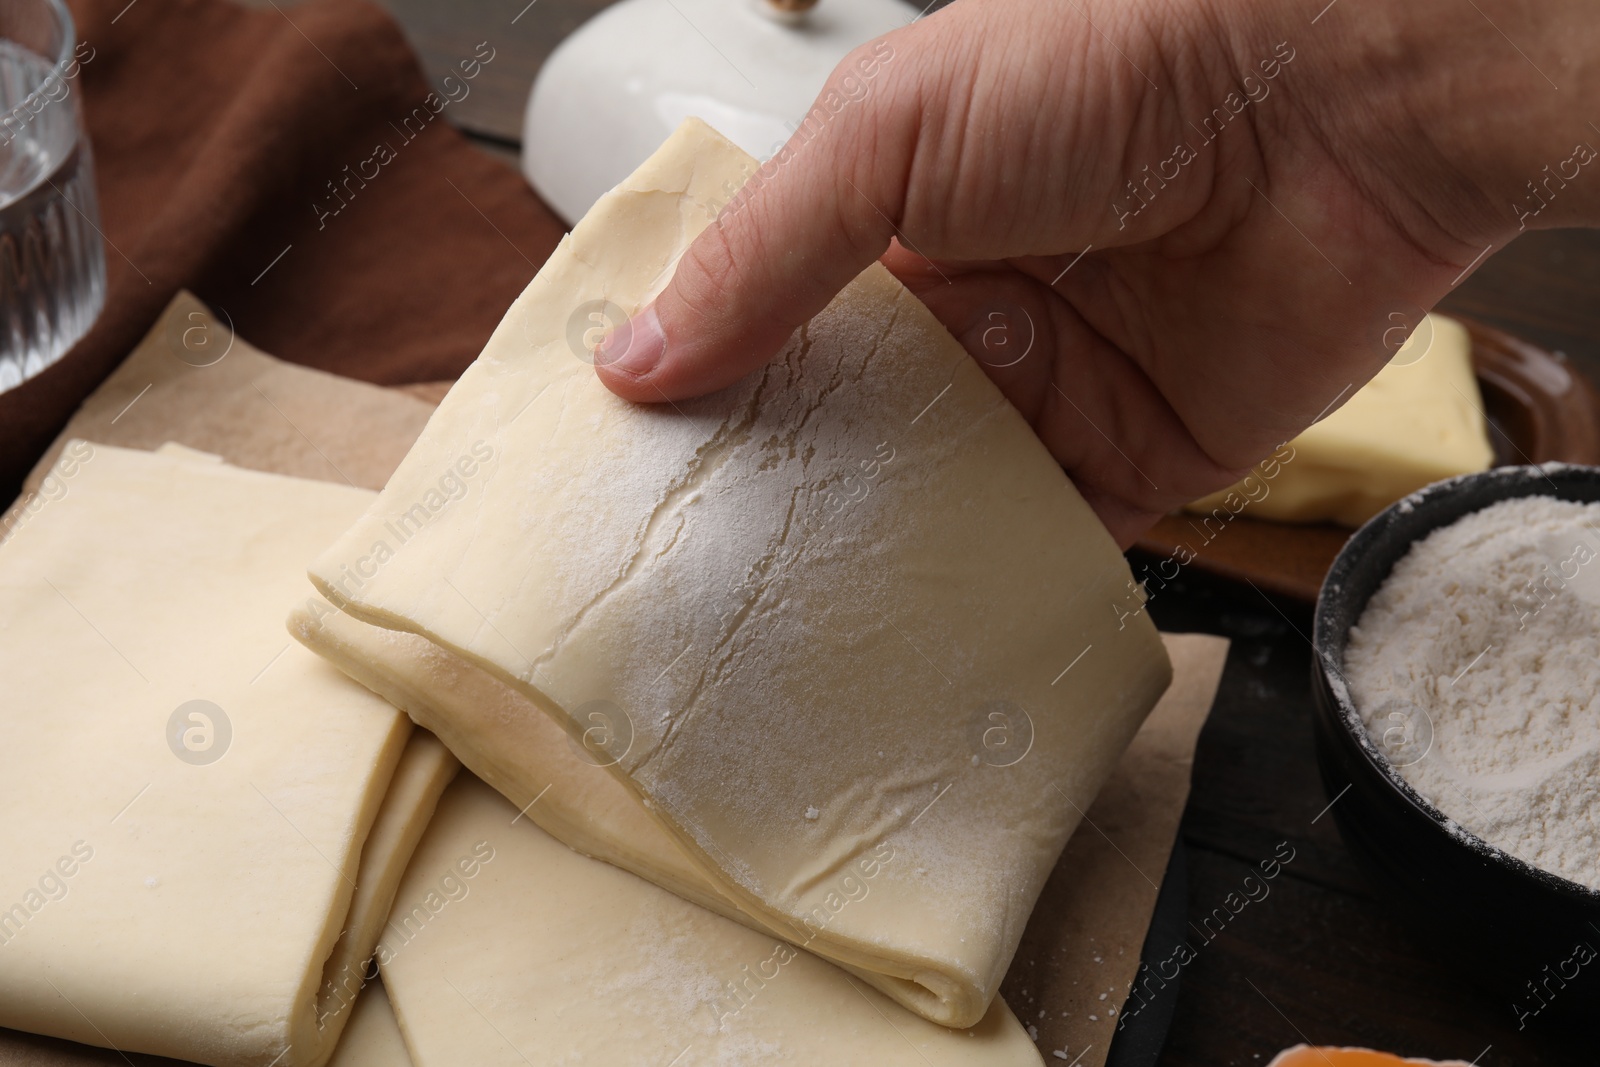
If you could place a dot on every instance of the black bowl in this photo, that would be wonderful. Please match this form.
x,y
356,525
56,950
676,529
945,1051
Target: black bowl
x,y
1514,928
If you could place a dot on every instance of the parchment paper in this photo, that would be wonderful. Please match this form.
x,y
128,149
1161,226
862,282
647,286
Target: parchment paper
x,y
257,411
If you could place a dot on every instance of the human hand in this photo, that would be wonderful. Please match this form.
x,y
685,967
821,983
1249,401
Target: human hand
x,y
1201,219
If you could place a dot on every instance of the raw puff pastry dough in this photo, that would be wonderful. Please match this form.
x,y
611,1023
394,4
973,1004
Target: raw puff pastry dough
x,y
540,955
532,764
205,904
795,605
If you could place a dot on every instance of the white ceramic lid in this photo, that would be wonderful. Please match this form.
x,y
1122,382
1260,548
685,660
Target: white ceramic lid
x,y
615,89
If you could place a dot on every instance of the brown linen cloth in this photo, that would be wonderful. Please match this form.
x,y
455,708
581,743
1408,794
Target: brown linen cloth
x,y
217,131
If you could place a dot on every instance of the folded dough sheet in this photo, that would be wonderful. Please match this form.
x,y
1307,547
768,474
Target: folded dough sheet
x,y
207,823
507,948
549,782
845,620
557,786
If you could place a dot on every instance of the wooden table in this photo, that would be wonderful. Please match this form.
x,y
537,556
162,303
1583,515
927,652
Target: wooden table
x,y
1322,958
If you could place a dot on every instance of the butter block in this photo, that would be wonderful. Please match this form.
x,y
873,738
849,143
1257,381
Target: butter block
x,y
1418,422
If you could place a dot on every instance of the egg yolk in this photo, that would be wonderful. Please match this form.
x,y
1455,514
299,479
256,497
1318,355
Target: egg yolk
x,y
1306,1056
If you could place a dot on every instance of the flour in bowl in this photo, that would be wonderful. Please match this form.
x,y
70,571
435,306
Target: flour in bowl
x,y
1476,668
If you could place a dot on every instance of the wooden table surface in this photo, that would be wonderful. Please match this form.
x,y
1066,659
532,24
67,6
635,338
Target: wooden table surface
x,y
1322,959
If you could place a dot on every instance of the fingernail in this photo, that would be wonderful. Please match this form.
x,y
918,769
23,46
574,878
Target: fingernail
x,y
635,347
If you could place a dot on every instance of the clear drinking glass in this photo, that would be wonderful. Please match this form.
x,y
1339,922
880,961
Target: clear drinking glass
x,y
52,265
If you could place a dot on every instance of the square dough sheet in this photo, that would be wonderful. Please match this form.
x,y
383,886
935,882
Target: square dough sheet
x,y
849,607
207,821
506,947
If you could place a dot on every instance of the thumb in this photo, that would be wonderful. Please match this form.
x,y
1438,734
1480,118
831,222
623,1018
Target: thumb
x,y
806,223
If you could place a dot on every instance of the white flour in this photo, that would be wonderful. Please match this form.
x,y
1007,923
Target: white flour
x,y
1476,668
